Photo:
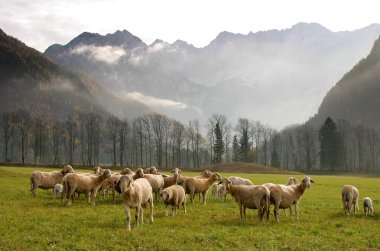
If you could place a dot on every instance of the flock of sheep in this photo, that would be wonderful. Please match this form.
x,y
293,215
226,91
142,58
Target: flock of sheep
x,y
137,189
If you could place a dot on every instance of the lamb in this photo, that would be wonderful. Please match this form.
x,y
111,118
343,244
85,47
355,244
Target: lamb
x,y
175,196
193,185
235,181
172,180
368,206
47,180
285,196
216,190
136,194
156,181
253,197
57,190
350,197
80,183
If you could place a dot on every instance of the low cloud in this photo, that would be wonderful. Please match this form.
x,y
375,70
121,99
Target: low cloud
x,y
107,54
155,102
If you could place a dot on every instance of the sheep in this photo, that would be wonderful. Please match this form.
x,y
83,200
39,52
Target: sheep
x,y
172,180
126,171
136,194
350,196
47,180
57,190
151,170
368,206
97,169
80,183
193,185
156,181
215,190
235,181
205,175
175,196
285,196
251,196
292,181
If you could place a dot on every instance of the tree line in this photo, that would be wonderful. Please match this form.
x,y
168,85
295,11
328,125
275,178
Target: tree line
x,y
153,139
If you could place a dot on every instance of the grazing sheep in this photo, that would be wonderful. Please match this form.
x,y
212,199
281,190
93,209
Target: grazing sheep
x,y
350,197
201,186
156,181
57,190
136,194
97,169
235,181
368,206
47,180
172,180
175,196
253,197
80,183
285,196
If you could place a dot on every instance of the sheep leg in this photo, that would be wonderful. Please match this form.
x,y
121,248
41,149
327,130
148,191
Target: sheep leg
x,y
137,216
173,210
296,209
241,211
291,212
141,215
151,210
166,210
93,196
184,207
69,196
204,197
245,212
275,210
128,214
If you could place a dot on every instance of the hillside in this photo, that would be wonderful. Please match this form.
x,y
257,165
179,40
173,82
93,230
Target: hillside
x,y
279,76
30,81
356,97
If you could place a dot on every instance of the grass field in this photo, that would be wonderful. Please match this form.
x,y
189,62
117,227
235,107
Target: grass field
x,y
42,223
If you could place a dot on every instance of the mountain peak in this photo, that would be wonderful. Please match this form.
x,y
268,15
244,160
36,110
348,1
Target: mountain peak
x,y
309,27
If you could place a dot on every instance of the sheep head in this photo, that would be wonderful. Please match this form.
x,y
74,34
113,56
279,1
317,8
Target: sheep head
x,y
106,173
125,183
176,171
67,169
306,182
126,171
97,169
216,176
225,182
140,173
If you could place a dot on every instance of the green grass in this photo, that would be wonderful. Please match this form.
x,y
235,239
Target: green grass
x,y
42,223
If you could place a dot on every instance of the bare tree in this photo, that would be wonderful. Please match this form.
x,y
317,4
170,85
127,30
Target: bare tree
x,y
113,128
23,123
157,121
71,125
122,136
6,125
56,133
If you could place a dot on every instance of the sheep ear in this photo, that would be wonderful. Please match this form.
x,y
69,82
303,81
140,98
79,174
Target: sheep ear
x,y
172,171
219,183
179,171
312,181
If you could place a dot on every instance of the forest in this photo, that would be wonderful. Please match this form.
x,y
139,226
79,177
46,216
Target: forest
x,y
154,139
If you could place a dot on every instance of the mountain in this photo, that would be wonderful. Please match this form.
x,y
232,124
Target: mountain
x,y
356,97
31,81
276,76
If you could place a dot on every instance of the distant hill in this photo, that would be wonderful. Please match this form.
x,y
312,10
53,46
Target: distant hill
x,y
29,80
356,97
276,76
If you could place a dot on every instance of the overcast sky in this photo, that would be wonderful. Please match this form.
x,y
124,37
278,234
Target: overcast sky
x,y
40,23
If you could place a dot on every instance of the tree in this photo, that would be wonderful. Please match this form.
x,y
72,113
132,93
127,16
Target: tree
x,y
113,128
242,128
218,145
275,143
6,125
235,149
23,122
330,146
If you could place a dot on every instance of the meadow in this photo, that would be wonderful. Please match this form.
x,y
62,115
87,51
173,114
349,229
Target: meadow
x,y
42,223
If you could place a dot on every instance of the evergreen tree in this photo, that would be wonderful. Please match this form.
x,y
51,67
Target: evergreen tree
x,y
235,149
244,146
275,158
330,146
219,145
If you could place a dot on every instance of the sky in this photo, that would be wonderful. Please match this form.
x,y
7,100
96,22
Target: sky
x,y
41,23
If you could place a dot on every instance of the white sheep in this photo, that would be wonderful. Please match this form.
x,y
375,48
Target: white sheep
x,y
174,196
285,196
251,196
350,197
235,180
172,179
151,170
368,206
155,180
136,194
97,169
193,186
47,180
215,190
292,181
80,183
57,190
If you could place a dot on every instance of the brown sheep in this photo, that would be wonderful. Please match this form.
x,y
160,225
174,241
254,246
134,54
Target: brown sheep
x,y
193,186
